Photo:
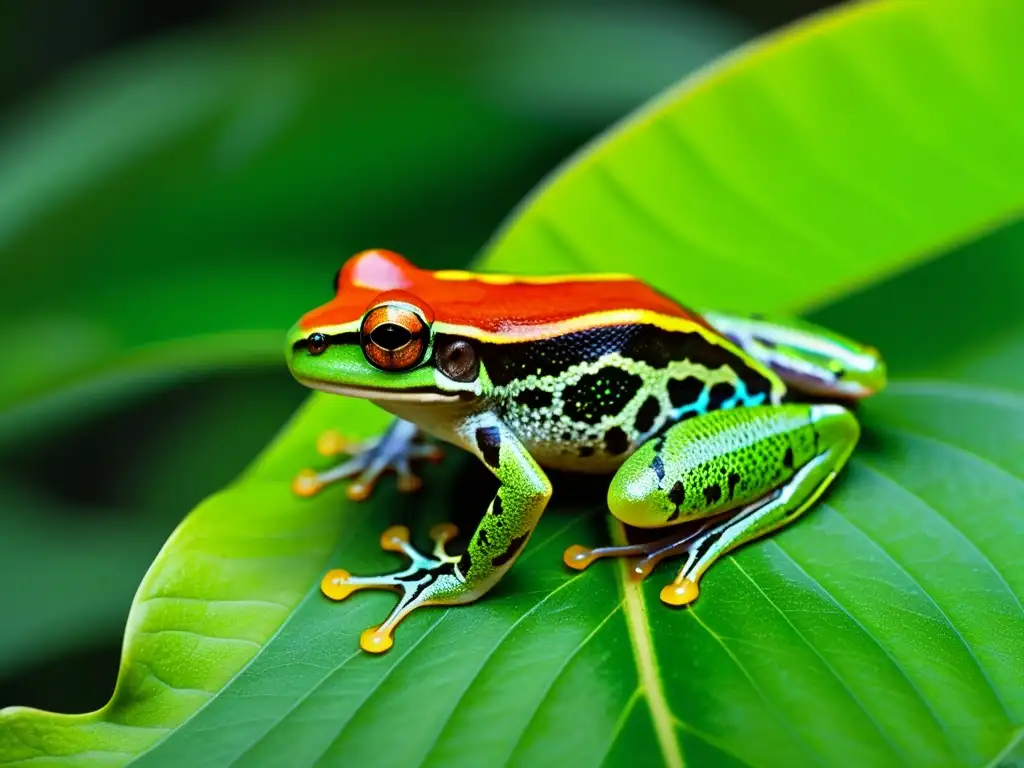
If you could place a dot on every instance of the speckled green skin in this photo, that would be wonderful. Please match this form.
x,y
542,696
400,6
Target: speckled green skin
x,y
774,460
716,462
695,425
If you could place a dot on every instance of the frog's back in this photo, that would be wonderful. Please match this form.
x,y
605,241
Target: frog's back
x,y
585,399
583,368
490,306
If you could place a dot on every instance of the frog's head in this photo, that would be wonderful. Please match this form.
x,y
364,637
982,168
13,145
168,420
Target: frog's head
x,y
376,339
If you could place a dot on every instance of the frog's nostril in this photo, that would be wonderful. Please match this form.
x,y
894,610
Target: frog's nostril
x,y
316,343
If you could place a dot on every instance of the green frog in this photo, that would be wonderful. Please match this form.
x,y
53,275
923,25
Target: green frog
x,y
697,414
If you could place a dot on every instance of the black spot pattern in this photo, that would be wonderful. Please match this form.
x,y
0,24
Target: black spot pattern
x,y
586,451
551,357
719,393
600,394
787,460
757,384
684,391
734,480
488,440
659,468
677,492
513,549
465,564
713,493
484,539
534,398
658,348
647,343
648,413
616,441
496,507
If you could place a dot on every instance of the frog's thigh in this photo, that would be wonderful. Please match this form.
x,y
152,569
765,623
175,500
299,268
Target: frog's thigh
x,y
724,460
770,463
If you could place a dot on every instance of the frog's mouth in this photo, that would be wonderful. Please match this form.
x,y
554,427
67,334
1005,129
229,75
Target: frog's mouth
x,y
377,394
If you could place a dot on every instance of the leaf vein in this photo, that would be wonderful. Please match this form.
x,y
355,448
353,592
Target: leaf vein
x,y
828,665
942,613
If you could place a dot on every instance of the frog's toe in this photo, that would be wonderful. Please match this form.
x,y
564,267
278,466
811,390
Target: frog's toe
x,y
395,538
682,591
426,451
331,443
368,461
579,557
306,483
648,555
426,581
441,534
408,481
335,584
376,639
358,490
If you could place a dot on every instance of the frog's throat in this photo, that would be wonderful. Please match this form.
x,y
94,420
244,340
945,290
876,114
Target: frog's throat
x,y
384,395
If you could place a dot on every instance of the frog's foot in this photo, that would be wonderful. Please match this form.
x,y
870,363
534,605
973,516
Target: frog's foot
x,y
369,459
649,554
426,581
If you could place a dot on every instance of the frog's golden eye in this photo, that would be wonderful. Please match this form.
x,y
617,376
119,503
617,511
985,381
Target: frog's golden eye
x,y
394,338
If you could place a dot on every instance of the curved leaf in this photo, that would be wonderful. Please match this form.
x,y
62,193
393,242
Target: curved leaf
x,y
883,628
827,157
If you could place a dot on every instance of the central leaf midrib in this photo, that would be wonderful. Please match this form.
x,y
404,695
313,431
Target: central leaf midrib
x,y
635,610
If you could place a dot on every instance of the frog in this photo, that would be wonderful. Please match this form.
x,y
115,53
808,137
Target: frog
x,y
718,428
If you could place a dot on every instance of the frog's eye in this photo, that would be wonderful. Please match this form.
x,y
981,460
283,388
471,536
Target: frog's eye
x,y
394,338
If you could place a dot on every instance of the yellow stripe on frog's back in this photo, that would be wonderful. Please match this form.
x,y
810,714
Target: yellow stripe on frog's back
x,y
501,279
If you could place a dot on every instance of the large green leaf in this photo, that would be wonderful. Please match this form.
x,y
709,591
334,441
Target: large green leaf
x,y
884,628
168,211
828,157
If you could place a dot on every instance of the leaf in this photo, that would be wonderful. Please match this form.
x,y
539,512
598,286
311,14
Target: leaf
x,y
170,210
829,157
883,628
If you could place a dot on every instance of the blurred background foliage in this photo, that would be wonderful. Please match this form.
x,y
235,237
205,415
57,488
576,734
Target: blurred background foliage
x,y
178,181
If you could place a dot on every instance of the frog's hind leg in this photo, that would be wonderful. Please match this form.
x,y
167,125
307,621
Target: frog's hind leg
x,y
743,472
809,358
369,459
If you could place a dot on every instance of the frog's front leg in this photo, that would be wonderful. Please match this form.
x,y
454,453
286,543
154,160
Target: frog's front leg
x,y
744,472
395,450
500,536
